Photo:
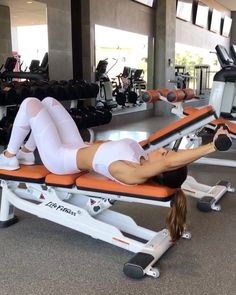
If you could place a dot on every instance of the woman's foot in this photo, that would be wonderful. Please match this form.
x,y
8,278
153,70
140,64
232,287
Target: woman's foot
x,y
8,161
25,158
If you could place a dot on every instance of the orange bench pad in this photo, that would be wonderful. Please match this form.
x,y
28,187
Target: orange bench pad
x,y
36,173
88,181
231,126
184,121
94,182
67,180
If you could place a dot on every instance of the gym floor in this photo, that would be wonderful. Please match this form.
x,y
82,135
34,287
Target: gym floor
x,y
42,258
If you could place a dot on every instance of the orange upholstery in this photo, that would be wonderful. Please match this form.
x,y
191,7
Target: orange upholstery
x,y
88,181
189,93
175,95
232,126
35,173
95,182
174,127
67,180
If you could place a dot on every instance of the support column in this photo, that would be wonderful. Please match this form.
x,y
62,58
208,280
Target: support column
x,y
164,43
59,39
5,33
233,28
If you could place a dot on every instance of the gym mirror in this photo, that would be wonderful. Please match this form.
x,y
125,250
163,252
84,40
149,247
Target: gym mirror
x,y
29,37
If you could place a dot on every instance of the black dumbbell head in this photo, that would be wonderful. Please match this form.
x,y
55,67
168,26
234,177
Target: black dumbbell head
x,y
223,142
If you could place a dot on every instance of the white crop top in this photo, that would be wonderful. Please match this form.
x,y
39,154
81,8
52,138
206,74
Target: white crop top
x,y
121,150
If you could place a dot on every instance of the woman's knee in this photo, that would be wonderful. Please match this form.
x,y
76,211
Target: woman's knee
x,y
49,101
33,106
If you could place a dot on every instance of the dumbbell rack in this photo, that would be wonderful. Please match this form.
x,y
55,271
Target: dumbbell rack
x,y
74,94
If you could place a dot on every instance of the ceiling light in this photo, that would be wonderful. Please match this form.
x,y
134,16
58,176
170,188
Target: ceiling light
x,y
29,2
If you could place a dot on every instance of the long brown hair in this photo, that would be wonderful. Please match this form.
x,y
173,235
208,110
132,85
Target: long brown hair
x,y
176,218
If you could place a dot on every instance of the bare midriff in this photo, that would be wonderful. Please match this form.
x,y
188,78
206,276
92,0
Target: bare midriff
x,y
84,157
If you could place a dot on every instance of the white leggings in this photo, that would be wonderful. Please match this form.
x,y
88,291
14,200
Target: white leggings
x,y
53,132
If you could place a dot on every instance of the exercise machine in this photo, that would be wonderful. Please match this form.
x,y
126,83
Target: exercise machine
x,y
39,74
222,96
201,79
129,86
101,76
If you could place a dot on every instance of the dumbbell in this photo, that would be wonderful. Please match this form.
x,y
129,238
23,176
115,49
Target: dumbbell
x,y
22,91
58,89
69,90
82,89
37,91
8,95
90,116
223,142
104,116
6,125
94,89
79,117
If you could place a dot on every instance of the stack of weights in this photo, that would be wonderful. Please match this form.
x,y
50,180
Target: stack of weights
x,y
87,117
8,95
6,125
13,93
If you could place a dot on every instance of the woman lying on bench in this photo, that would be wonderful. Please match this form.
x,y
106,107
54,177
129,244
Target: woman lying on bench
x,y
63,151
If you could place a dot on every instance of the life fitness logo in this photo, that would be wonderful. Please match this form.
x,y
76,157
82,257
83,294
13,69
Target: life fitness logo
x,y
60,208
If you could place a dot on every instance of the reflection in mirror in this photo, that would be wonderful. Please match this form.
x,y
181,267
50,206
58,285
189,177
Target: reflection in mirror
x,y
122,49
28,31
191,57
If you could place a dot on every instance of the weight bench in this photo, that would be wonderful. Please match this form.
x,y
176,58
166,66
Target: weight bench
x,y
82,201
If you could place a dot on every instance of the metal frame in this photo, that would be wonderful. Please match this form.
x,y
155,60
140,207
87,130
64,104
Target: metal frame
x,y
81,211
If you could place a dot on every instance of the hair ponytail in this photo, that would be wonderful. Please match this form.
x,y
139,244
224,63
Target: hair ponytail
x,y
176,218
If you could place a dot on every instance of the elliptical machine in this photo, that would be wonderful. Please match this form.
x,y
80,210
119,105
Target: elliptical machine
x,y
105,85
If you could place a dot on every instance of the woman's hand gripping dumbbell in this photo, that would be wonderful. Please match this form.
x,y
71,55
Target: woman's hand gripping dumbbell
x,y
221,139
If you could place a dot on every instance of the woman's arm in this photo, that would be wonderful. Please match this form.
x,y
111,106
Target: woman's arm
x,y
136,174
165,161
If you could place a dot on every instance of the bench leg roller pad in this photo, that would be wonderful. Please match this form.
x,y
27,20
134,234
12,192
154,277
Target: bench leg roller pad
x,y
8,222
205,204
135,267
